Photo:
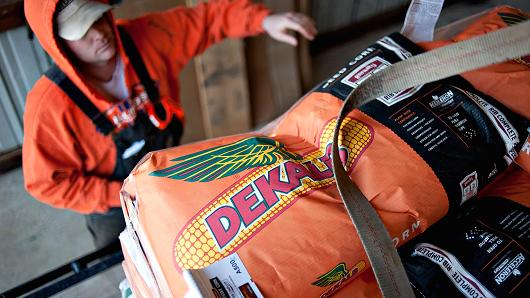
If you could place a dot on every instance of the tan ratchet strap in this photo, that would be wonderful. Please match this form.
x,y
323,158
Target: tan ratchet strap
x,y
495,47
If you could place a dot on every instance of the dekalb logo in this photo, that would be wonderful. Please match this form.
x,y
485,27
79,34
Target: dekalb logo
x,y
274,180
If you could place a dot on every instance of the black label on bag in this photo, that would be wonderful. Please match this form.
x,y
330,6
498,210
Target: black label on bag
x,y
481,252
466,137
387,51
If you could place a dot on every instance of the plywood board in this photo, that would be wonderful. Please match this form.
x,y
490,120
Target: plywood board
x,y
304,56
134,8
189,97
284,70
278,73
223,90
11,14
263,104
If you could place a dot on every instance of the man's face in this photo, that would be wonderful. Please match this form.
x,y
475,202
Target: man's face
x,y
98,45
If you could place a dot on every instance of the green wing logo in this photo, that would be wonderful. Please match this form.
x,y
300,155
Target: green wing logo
x,y
224,161
334,275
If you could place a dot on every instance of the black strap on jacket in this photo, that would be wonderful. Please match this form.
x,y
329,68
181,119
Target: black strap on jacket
x,y
104,125
139,66
101,122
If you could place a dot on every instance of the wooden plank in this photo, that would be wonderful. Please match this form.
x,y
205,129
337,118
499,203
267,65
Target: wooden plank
x,y
134,8
284,70
330,39
354,12
262,102
279,73
330,15
367,9
304,55
223,90
189,98
11,14
284,73
275,62
371,16
317,8
340,14
10,160
345,14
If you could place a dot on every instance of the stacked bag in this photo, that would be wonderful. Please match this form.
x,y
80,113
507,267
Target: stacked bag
x,y
259,215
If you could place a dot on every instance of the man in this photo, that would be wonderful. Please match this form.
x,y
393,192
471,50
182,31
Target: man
x,y
113,94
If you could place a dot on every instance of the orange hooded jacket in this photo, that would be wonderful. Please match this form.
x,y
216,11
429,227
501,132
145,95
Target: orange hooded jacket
x,y
66,161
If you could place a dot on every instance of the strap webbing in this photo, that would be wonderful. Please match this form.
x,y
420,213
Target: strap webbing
x,y
139,66
495,47
56,75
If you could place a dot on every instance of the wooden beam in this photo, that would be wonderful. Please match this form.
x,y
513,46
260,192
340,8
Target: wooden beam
x,y
223,90
263,104
337,37
283,61
10,160
134,8
11,14
340,36
304,55
278,72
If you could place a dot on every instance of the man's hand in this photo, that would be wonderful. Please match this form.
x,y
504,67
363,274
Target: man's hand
x,y
278,26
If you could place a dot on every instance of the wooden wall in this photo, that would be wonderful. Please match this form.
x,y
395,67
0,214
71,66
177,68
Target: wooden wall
x,y
239,85
331,15
214,87
236,85
189,93
260,78
275,70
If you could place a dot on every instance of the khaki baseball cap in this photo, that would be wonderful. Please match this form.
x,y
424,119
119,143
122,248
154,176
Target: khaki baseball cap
x,y
75,17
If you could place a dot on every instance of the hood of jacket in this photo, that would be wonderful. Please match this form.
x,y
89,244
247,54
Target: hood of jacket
x,y
40,15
